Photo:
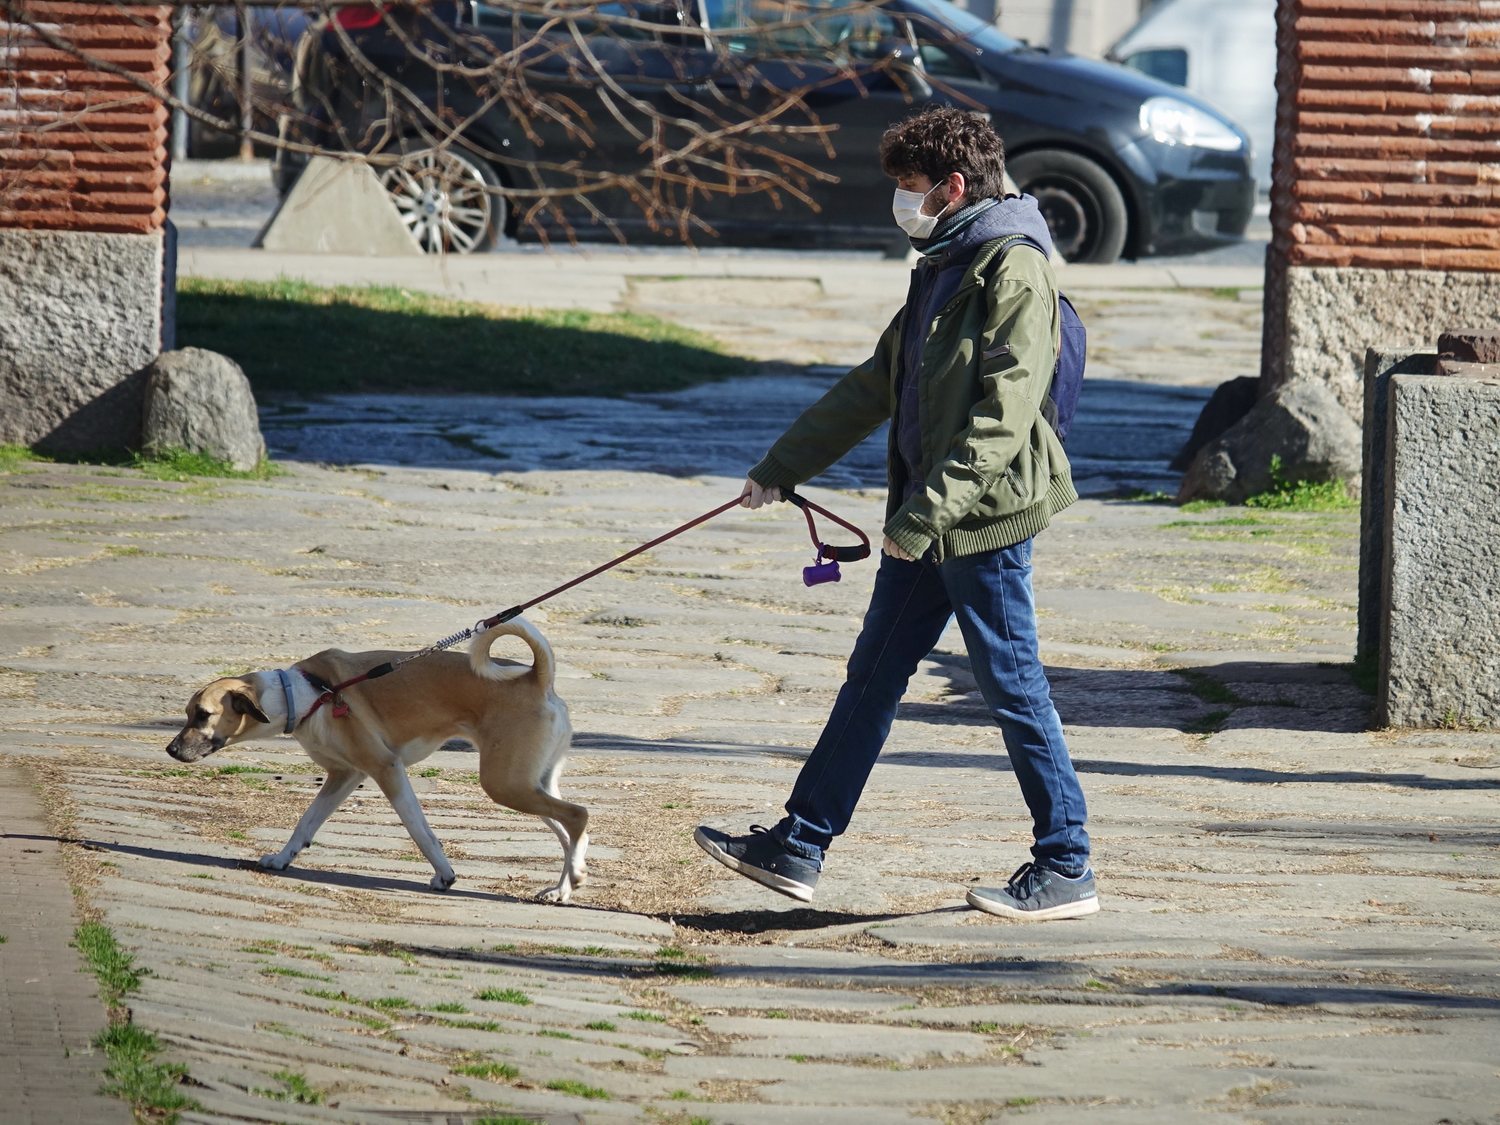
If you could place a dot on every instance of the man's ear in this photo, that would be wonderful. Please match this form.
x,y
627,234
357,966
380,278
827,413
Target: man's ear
x,y
957,185
244,705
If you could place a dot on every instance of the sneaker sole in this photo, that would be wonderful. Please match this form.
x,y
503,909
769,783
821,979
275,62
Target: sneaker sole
x,y
1079,909
778,883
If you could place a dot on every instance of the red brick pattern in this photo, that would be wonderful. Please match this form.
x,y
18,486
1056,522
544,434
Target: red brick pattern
x,y
1388,134
81,149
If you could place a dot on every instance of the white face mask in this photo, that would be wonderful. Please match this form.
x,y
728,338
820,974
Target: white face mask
x,y
906,207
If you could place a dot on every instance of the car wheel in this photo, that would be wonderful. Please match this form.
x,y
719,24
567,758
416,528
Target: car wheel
x,y
1083,206
447,198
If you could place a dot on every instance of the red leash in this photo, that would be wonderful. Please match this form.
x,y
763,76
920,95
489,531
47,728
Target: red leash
x,y
820,572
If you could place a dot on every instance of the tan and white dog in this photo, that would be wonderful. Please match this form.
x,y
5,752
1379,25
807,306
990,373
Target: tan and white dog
x,y
509,712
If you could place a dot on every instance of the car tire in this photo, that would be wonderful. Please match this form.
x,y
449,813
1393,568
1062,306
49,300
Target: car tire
x,y
448,198
1083,206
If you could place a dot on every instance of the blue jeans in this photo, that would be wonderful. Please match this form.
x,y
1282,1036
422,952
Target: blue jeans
x,y
912,602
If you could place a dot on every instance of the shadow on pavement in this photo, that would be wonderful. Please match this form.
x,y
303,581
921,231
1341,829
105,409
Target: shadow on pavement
x,y
1307,995
999,760
769,921
299,874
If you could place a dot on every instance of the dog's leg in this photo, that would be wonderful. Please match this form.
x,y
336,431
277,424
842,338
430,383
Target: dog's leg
x,y
396,786
336,788
574,850
569,821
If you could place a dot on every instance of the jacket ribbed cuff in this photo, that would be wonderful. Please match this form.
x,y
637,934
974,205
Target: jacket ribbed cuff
x,y
771,473
910,534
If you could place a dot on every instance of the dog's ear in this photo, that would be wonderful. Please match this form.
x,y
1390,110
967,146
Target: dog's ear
x,y
244,705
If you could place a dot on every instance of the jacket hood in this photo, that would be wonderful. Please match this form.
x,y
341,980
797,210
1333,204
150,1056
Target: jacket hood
x,y
1013,214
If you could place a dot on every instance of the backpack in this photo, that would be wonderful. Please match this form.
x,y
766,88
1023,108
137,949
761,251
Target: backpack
x,y
1072,349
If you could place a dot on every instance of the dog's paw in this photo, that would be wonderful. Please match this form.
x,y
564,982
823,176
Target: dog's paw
x,y
554,894
275,861
442,882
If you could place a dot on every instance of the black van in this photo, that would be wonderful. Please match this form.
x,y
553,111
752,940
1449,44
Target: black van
x,y
1122,164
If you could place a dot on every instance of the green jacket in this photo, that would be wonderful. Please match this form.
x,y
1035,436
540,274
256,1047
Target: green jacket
x,y
995,472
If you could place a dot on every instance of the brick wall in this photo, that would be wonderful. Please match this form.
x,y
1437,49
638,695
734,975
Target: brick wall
x,y
1388,134
80,149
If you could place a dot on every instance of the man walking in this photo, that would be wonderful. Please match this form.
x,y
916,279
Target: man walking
x,y
975,471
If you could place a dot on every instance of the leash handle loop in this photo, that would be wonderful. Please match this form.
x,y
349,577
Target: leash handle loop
x,y
825,551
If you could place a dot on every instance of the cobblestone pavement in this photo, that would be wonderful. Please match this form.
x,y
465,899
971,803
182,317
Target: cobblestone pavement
x,y
49,1014
1299,913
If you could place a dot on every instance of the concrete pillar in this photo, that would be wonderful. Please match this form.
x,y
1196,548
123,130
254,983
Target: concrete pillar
x,y
1440,644
1380,364
1383,189
82,254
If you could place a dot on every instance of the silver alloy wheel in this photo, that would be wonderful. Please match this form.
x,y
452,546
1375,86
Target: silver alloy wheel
x,y
443,199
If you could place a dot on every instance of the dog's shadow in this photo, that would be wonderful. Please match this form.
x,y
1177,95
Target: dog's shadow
x,y
341,879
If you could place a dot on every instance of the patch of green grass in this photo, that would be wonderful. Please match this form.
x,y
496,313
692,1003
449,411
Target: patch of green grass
x,y
1202,505
799,1058
549,1033
12,457
295,337
450,1006
775,1014
236,834
1207,688
115,967
685,972
1302,495
294,1088
1143,496
600,1025
508,1119
503,996
430,771
1211,723
578,1089
681,1095
153,1089
472,1025
288,971
1223,521
230,771
390,1003
494,1071
646,1017
184,464
328,994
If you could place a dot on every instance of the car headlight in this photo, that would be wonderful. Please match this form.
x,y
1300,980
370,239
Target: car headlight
x,y
1173,122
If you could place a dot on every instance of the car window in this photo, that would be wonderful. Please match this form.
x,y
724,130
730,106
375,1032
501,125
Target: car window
x,y
940,21
1170,64
597,18
940,62
801,28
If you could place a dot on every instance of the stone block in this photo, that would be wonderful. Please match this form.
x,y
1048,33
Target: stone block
x,y
201,401
1230,402
1303,424
1380,364
1440,642
1332,313
80,320
338,207
1470,346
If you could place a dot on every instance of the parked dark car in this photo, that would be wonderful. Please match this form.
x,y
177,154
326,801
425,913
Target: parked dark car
x,y
1121,163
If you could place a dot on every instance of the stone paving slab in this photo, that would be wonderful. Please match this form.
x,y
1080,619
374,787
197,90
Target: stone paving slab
x,y
49,1006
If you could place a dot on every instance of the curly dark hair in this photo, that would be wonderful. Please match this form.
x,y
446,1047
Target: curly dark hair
x,y
940,139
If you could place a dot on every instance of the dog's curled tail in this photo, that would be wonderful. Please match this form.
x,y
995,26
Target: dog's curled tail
x,y
541,651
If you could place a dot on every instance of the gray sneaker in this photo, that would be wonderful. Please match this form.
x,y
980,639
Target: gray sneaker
x,y
1037,894
762,857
